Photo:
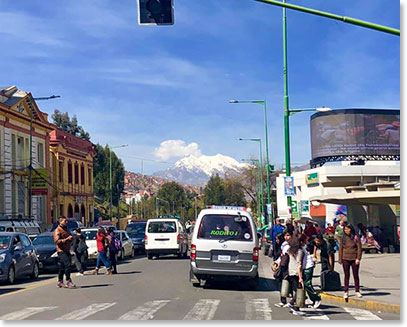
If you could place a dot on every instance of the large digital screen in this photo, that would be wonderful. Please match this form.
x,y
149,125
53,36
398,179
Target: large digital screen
x,y
355,132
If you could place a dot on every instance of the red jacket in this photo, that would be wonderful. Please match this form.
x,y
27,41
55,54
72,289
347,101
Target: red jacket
x,y
100,241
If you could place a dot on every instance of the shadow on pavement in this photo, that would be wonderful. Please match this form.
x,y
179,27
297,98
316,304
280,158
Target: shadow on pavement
x,y
128,272
169,257
28,280
92,286
265,285
9,290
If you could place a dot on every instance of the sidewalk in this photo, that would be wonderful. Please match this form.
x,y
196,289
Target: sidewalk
x,y
379,279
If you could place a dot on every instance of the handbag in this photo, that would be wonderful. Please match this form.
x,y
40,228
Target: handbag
x,y
278,274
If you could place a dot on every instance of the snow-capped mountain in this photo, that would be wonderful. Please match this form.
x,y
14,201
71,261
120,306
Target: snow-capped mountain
x,y
197,170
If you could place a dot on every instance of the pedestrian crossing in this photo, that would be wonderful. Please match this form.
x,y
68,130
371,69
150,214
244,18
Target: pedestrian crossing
x,y
203,309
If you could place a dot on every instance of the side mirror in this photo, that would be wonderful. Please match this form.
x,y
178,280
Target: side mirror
x,y
18,247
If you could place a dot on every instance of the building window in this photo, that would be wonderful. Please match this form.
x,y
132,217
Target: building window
x,y
14,197
82,174
2,198
69,172
40,155
21,197
61,210
90,176
61,171
76,173
13,151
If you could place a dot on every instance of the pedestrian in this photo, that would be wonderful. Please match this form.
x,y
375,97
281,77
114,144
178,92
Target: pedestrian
x,y
308,271
80,248
309,230
63,241
114,248
276,251
330,229
350,254
327,260
102,243
277,229
339,228
294,277
280,267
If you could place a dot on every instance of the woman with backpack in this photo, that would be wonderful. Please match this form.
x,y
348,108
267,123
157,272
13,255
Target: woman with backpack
x,y
350,254
114,248
102,243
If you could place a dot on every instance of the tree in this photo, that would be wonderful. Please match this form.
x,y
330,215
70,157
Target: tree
x,y
214,192
68,125
175,194
234,195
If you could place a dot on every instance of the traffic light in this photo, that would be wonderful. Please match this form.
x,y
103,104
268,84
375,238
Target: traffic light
x,y
156,12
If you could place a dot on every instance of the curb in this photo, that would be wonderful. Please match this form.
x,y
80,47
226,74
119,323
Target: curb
x,y
362,304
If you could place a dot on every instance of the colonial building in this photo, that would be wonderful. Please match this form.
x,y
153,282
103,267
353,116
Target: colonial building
x,y
72,165
18,110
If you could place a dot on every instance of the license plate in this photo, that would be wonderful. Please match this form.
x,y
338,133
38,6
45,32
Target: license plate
x,y
223,257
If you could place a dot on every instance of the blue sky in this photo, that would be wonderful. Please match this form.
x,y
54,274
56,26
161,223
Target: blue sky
x,y
144,85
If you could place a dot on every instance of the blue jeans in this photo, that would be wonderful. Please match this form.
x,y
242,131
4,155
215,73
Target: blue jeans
x,y
102,257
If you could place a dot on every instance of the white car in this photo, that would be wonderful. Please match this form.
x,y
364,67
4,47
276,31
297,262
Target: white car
x,y
224,245
127,245
90,236
165,236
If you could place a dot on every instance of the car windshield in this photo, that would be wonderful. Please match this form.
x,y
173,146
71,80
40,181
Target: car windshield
x,y
43,240
139,227
162,227
136,232
221,227
90,234
4,242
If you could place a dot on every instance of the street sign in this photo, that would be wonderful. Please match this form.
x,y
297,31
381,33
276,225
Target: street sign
x,y
269,208
39,184
289,189
294,209
312,179
155,12
304,204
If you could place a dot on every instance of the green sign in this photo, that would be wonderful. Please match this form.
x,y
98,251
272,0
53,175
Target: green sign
x,y
312,178
304,206
294,209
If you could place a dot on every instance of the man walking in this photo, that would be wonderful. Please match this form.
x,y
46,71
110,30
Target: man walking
x,y
79,247
63,241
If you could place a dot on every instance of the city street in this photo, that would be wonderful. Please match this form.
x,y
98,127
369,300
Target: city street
x,y
158,290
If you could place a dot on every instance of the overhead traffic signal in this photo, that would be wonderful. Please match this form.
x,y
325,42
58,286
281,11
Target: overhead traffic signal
x,y
156,12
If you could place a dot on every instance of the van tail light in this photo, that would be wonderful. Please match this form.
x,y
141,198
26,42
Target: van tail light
x,y
145,240
193,252
256,254
178,239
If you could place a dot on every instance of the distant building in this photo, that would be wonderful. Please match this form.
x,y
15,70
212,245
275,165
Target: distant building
x,y
72,177
17,110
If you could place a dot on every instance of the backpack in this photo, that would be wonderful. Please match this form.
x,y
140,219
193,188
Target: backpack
x,y
117,243
82,247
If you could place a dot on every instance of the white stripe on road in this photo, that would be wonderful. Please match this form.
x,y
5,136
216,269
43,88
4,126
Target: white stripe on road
x,y
203,310
360,314
25,313
86,312
314,314
145,312
258,309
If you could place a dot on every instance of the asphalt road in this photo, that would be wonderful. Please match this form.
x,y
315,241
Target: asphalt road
x,y
156,289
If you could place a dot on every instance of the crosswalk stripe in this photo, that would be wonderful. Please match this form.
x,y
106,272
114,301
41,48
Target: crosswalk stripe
x,y
86,312
203,310
258,309
25,313
360,314
314,314
145,312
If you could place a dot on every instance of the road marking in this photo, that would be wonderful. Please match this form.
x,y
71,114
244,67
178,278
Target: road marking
x,y
360,314
146,311
258,309
86,312
203,310
25,313
38,284
315,314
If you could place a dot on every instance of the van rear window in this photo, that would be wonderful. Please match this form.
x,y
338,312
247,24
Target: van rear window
x,y
219,227
162,227
2,228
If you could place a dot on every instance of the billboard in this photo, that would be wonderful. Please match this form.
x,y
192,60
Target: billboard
x,y
355,132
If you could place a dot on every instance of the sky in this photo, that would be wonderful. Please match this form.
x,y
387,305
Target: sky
x,y
165,90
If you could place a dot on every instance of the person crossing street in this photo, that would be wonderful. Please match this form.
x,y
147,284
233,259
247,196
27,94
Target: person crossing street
x,y
102,242
63,241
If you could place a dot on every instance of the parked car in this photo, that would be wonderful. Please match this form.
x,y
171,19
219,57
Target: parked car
x,y
90,239
137,231
25,226
127,245
18,257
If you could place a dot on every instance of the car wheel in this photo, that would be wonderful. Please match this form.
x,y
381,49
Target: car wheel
x,y
11,276
121,256
149,256
36,271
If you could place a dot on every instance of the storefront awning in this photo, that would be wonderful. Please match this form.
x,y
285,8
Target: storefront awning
x,y
362,197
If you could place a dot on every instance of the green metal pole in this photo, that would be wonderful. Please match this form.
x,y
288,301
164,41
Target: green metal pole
x,y
286,104
344,19
261,180
267,161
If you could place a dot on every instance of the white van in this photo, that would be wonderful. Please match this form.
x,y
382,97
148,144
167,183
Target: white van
x,y
26,226
224,245
165,236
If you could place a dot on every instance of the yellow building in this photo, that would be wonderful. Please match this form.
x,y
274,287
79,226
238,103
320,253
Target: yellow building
x,y
72,173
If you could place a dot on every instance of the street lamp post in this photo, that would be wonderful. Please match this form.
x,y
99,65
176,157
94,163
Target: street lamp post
x,y
195,197
110,174
260,170
263,103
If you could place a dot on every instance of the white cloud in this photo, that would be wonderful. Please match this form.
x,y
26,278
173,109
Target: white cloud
x,y
176,149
